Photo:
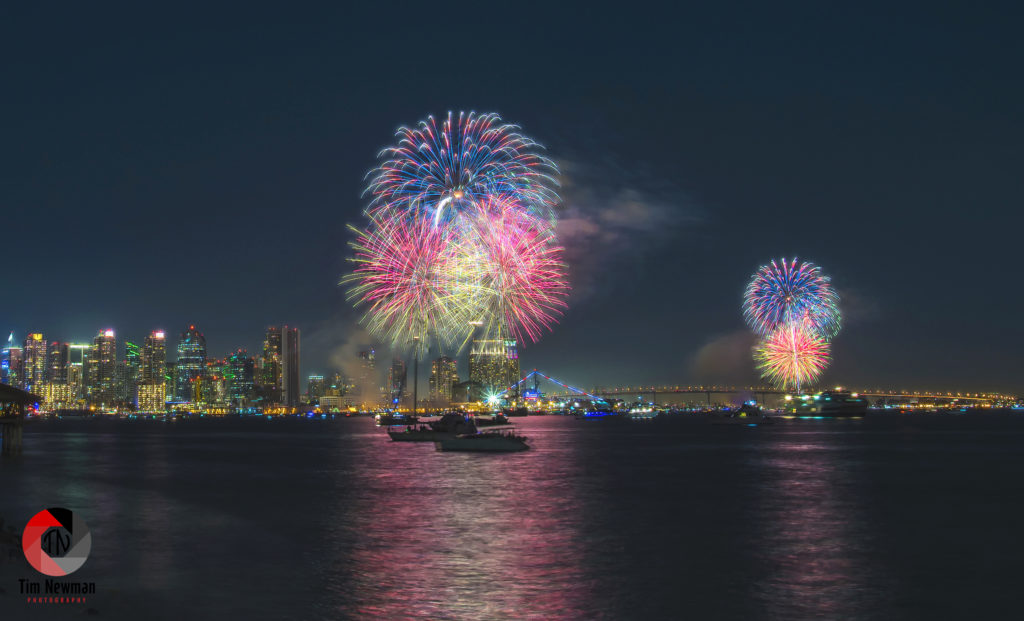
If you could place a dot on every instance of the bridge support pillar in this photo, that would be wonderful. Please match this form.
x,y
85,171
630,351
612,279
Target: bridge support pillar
x,y
11,438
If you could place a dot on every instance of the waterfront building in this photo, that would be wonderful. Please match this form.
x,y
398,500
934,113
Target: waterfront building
x,y
315,388
240,371
171,380
101,369
494,364
33,361
77,355
10,363
444,374
290,394
57,396
191,364
397,377
153,358
366,382
152,396
270,366
57,362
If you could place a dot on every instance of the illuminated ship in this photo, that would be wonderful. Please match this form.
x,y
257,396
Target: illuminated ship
x,y
828,404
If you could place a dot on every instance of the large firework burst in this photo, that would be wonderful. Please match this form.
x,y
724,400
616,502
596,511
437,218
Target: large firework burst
x,y
460,234
789,291
792,356
436,170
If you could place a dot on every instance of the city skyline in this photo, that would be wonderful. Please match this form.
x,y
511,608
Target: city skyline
x,y
684,167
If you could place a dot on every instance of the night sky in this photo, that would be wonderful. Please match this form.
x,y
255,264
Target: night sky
x,y
199,165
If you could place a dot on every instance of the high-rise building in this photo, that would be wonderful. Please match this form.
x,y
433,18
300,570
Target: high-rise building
x,y
240,371
153,357
101,369
290,394
444,374
270,366
77,355
10,363
33,361
315,388
397,377
57,362
191,364
493,364
366,382
132,371
171,380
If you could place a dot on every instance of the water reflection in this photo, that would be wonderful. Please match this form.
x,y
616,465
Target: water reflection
x,y
462,536
815,545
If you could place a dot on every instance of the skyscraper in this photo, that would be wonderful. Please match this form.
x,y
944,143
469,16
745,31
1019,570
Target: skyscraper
x,y
444,373
77,355
153,357
191,364
494,364
270,366
152,386
10,363
290,394
397,381
101,369
366,382
33,362
57,363
240,371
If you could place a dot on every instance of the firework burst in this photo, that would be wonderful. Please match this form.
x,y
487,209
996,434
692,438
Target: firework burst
x,y
436,170
460,234
522,287
792,356
784,292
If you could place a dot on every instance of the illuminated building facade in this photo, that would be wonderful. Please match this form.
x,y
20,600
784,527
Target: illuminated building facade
x,y
494,364
191,365
315,388
153,358
56,396
290,392
366,383
240,371
270,366
397,377
10,363
152,396
101,370
57,363
152,384
444,374
33,362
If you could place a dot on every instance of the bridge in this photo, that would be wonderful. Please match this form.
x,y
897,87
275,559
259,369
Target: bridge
x,y
12,414
679,391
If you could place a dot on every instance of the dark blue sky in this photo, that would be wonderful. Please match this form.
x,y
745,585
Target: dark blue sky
x,y
199,165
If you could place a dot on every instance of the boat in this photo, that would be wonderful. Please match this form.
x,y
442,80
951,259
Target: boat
x,y
828,404
491,441
749,415
449,425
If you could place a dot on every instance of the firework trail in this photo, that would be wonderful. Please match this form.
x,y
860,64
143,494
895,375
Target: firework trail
x,y
783,292
436,170
792,356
